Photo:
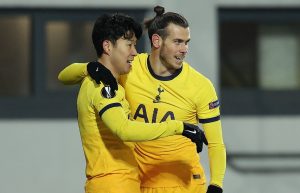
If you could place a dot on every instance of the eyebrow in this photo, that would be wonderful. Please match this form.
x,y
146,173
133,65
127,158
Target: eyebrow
x,y
181,40
132,41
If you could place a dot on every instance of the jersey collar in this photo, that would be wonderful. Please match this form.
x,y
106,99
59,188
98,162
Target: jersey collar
x,y
163,78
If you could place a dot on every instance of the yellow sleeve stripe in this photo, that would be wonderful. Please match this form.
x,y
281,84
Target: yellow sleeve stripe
x,y
209,120
111,105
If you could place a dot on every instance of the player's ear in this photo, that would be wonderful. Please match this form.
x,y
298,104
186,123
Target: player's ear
x,y
156,40
107,47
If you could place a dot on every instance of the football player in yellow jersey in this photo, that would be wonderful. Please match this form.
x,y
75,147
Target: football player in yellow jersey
x,y
103,111
160,87
183,94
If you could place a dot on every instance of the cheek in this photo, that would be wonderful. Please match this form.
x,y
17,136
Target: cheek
x,y
170,50
165,51
124,52
169,54
118,60
120,51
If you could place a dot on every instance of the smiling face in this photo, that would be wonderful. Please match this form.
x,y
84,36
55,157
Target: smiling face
x,y
174,46
122,54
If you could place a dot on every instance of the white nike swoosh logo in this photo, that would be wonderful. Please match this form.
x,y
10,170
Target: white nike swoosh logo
x,y
194,132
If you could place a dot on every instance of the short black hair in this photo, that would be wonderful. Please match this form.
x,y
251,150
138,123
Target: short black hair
x,y
113,27
158,24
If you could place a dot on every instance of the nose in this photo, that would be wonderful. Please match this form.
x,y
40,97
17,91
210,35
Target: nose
x,y
133,51
184,48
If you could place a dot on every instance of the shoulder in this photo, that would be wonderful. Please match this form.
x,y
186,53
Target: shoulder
x,y
90,85
139,64
101,74
140,58
100,93
99,96
196,76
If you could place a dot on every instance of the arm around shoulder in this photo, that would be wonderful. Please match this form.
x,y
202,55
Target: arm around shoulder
x,y
73,74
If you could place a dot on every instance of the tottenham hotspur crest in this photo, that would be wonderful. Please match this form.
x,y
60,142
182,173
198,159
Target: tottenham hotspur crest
x,y
157,98
107,92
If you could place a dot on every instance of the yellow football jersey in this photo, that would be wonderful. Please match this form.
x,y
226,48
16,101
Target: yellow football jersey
x,y
104,126
185,95
105,153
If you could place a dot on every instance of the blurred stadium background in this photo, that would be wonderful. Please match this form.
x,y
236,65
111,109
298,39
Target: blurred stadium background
x,y
250,49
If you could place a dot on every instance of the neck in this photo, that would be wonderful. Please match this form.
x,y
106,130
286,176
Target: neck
x,y
107,63
159,66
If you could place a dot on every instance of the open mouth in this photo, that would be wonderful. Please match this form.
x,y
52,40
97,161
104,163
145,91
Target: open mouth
x,y
179,59
129,62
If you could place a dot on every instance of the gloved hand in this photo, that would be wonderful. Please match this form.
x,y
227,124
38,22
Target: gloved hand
x,y
195,134
214,189
98,72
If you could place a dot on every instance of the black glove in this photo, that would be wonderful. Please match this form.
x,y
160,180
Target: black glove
x,y
195,134
214,189
98,72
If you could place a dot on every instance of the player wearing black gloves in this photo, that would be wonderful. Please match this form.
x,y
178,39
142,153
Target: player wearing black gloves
x,y
194,133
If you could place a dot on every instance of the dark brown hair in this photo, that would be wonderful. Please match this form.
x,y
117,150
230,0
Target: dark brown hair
x,y
158,24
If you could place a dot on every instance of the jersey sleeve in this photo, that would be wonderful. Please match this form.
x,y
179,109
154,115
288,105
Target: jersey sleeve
x,y
216,152
73,74
208,104
209,116
114,117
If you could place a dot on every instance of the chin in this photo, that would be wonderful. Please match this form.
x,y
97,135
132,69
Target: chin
x,y
177,65
126,71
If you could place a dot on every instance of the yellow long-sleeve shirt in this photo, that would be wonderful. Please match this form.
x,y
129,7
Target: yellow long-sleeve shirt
x,y
104,126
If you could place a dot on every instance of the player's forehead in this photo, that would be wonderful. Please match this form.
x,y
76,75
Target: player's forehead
x,y
178,32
